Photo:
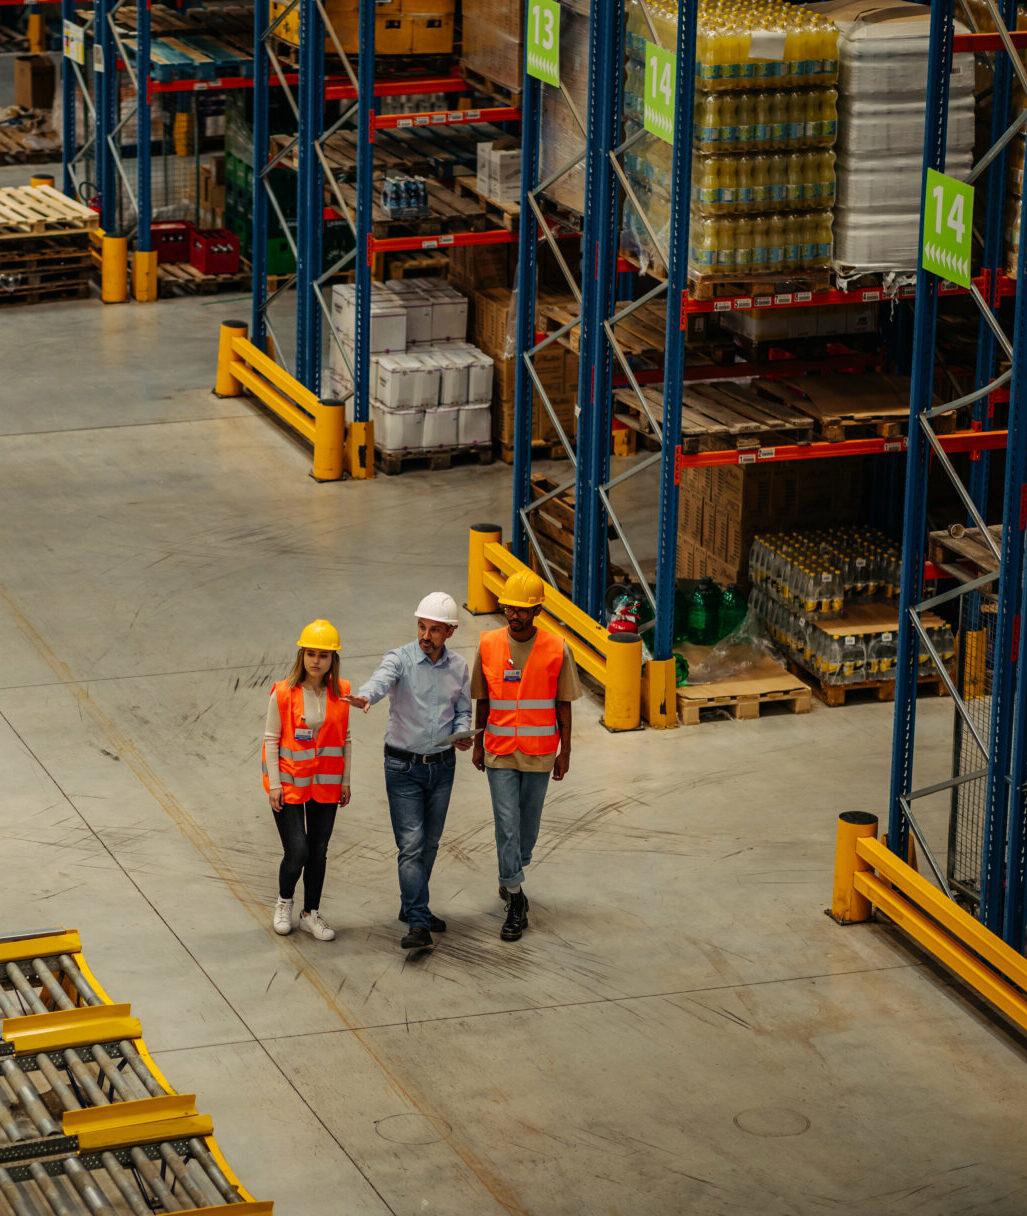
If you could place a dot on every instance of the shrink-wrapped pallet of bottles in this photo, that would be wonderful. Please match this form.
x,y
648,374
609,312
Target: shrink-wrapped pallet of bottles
x,y
763,180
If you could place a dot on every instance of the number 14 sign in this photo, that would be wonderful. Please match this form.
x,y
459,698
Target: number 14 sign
x,y
660,80
948,226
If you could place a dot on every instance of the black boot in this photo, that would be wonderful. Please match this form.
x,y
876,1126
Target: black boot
x,y
504,895
516,917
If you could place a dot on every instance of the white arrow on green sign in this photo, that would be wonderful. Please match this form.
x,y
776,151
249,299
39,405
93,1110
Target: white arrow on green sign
x,y
948,227
660,83
543,50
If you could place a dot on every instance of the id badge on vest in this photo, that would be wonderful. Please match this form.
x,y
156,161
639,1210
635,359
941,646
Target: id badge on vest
x,y
513,676
304,734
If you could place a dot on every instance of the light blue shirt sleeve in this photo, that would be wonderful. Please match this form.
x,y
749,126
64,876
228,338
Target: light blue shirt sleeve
x,y
427,701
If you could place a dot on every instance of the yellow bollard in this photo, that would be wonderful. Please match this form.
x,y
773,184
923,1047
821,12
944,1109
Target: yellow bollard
x,y
359,450
36,34
660,694
44,179
114,270
225,384
848,907
479,599
622,707
144,275
329,442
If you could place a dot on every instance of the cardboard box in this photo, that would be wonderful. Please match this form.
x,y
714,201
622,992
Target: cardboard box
x,y
430,33
34,82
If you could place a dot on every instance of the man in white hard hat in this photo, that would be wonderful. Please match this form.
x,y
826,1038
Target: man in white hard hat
x,y
429,701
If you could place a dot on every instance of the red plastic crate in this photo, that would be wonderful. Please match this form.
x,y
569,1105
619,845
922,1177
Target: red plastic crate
x,y
214,251
171,240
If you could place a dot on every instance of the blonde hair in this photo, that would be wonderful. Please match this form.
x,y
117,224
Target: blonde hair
x,y
298,672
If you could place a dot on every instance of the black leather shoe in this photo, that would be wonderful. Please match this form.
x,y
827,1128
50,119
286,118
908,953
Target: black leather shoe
x,y
505,896
417,939
438,925
516,918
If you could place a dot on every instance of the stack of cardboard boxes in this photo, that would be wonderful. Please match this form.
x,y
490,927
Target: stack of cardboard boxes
x,y
493,34
212,188
494,331
402,27
721,509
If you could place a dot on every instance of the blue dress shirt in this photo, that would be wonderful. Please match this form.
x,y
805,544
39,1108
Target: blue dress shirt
x,y
427,701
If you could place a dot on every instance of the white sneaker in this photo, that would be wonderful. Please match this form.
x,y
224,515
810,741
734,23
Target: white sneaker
x,y
313,923
283,916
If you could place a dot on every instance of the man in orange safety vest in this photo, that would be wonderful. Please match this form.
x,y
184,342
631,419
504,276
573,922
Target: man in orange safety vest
x,y
523,680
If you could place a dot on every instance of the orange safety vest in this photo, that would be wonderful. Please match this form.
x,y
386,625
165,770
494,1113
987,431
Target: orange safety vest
x,y
312,770
522,710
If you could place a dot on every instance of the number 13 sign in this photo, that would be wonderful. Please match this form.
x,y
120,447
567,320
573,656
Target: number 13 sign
x,y
948,226
543,51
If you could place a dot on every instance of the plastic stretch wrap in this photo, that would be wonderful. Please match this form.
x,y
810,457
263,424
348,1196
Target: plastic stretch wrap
x,y
562,138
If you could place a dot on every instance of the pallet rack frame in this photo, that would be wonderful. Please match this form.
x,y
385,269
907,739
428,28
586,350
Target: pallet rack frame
x,y
360,87
1003,754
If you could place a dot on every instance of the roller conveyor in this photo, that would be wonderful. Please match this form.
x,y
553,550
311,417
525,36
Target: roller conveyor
x,y
88,1125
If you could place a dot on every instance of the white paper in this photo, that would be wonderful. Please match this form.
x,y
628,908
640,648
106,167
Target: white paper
x,y
461,735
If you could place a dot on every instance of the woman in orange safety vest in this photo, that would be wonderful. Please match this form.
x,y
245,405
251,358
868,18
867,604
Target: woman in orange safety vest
x,y
305,763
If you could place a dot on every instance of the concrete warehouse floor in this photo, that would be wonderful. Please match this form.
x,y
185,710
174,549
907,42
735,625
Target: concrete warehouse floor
x,y
681,1030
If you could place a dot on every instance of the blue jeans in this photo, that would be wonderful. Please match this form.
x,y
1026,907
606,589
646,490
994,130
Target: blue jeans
x,y
418,801
517,809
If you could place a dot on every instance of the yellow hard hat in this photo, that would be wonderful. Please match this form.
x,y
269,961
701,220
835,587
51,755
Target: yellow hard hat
x,y
320,635
523,589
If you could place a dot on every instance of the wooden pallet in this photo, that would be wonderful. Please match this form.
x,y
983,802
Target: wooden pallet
x,y
878,690
42,211
541,449
964,555
721,415
852,406
416,265
34,254
182,279
712,287
392,463
505,215
45,293
491,88
28,138
742,698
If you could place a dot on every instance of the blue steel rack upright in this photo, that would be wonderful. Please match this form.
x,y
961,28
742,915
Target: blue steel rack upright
x,y
997,755
359,88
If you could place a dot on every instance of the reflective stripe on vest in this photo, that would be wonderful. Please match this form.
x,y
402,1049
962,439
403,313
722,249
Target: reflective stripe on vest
x,y
528,722
310,773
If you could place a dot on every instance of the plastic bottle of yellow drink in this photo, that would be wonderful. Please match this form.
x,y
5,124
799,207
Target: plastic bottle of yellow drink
x,y
696,239
746,121
727,178
707,124
746,65
826,175
828,118
825,238
729,128
704,183
778,168
812,186
807,241
790,249
778,110
776,233
743,245
761,121
721,243
796,118
760,227
829,53
760,177
743,185
795,181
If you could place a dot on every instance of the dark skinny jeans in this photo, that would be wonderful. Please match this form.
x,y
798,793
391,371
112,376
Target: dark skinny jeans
x,y
305,829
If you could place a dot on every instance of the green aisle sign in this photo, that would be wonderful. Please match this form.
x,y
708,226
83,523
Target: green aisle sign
x,y
948,224
660,80
543,49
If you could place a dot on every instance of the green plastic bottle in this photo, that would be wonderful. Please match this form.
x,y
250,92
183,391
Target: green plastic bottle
x,y
703,612
733,607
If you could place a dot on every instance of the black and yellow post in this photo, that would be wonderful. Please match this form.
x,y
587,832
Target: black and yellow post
x,y
42,179
359,450
848,906
660,693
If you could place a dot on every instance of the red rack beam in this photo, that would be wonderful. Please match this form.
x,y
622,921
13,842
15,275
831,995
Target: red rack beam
x,y
336,89
987,42
445,240
445,118
959,441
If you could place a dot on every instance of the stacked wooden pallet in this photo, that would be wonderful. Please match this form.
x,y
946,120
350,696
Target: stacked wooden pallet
x,y
44,245
26,137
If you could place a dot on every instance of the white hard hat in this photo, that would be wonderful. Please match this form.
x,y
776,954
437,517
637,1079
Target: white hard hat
x,y
438,606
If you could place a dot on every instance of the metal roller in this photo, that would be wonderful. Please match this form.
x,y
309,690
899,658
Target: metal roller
x,y
53,1191
65,1094
183,1177
50,982
19,1203
148,1170
138,1065
118,1080
85,1184
24,989
127,1186
8,1122
82,985
28,1096
214,1172
93,1093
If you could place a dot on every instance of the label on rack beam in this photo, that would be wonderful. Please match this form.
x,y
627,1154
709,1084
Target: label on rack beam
x,y
74,42
472,115
405,122
721,305
97,57
870,296
429,243
895,445
200,85
542,49
742,302
457,115
439,120
447,240
422,120
766,453
785,297
763,301
746,457
803,297
948,215
660,84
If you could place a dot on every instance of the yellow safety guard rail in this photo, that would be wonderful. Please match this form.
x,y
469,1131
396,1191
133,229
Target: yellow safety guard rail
x,y
615,660
40,945
868,875
337,448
